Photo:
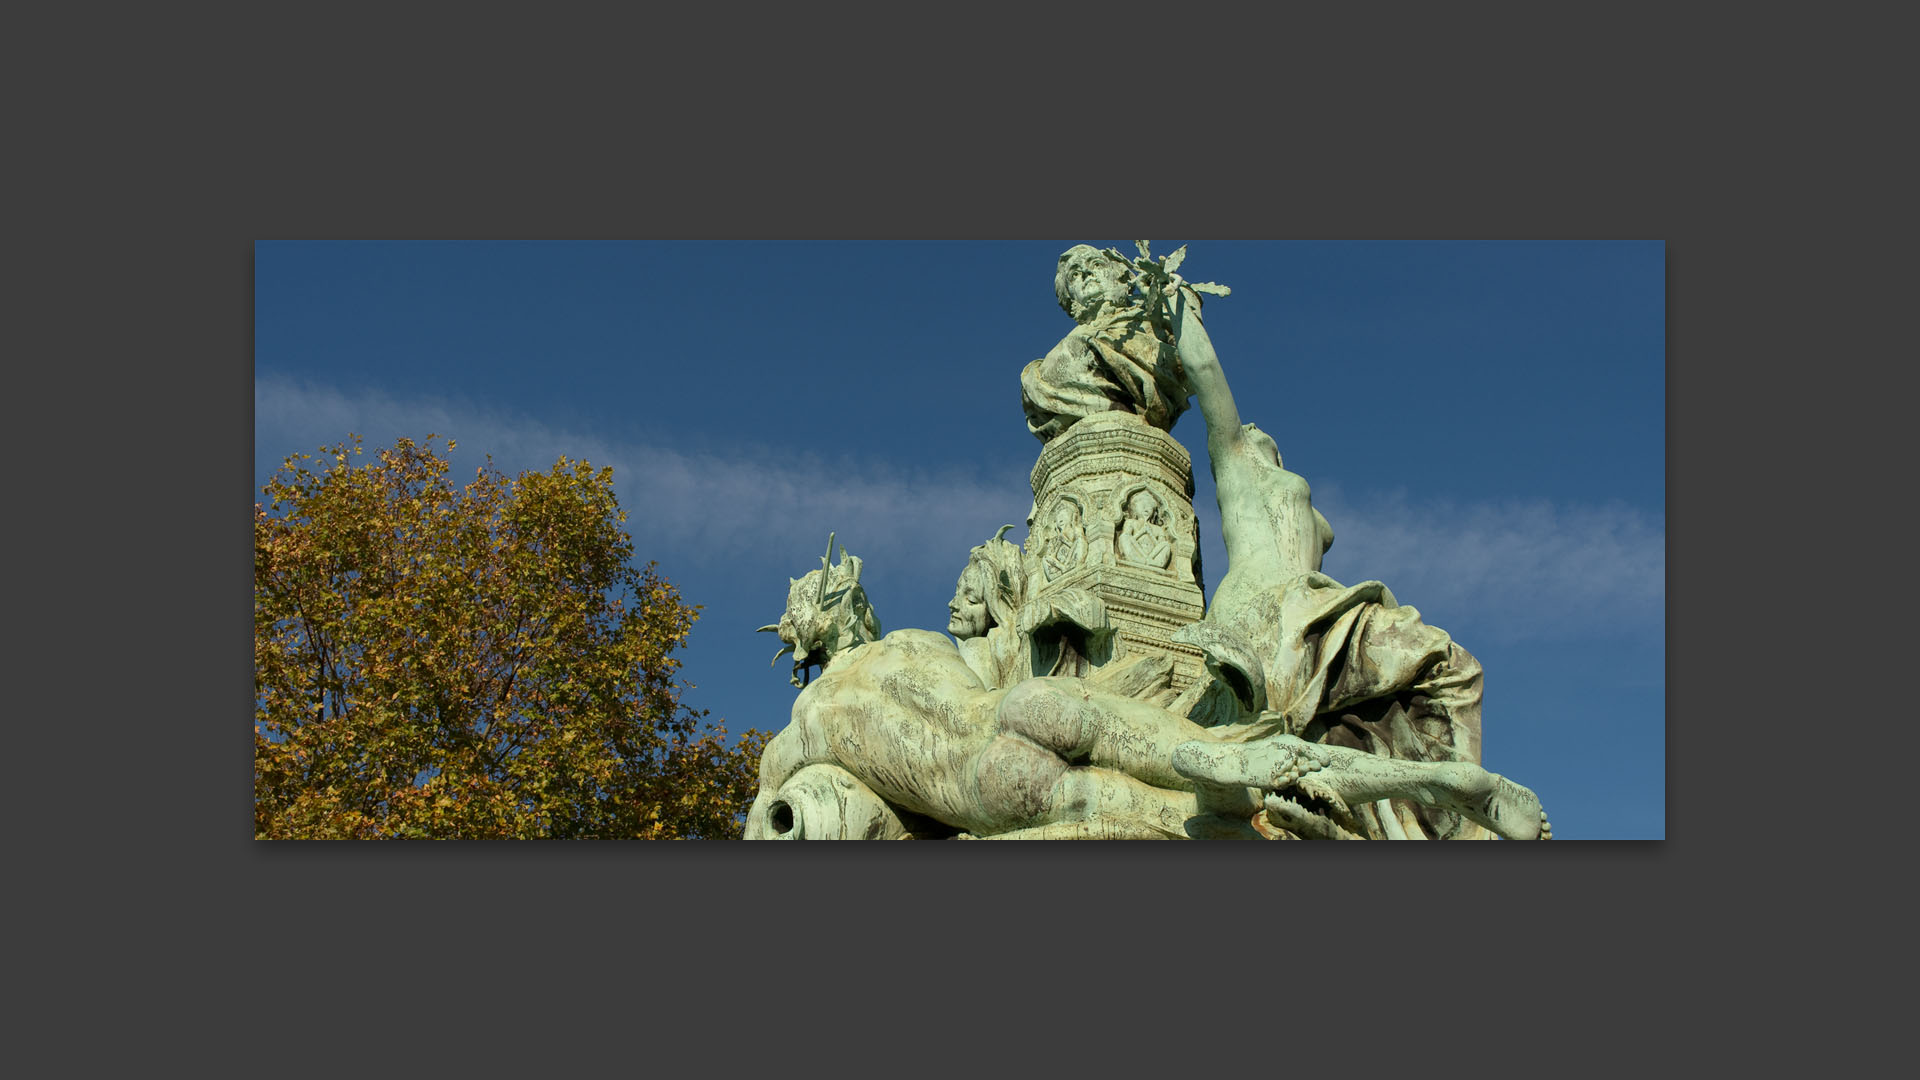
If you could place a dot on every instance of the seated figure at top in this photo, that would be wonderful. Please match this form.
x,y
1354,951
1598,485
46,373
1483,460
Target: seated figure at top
x,y
1110,361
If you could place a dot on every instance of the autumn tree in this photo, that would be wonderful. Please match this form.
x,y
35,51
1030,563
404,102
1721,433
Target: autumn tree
x,y
433,660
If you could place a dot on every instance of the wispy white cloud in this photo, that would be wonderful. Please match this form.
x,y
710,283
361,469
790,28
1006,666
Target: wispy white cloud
x,y
706,507
1512,570
1518,569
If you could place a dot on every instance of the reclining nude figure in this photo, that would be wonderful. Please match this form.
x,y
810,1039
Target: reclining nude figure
x,y
1331,712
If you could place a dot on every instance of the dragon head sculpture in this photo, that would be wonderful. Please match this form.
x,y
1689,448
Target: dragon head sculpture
x,y
827,614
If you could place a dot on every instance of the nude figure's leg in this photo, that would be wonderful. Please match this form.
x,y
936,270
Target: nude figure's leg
x,y
1022,790
1074,761
1088,803
1284,761
1085,726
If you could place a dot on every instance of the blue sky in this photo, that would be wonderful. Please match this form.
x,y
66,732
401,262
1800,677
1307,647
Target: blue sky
x,y
1482,423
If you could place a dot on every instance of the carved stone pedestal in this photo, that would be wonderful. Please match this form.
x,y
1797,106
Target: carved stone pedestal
x,y
1113,514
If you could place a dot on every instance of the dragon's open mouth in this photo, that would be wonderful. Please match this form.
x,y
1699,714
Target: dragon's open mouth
x,y
1311,813
1310,803
804,660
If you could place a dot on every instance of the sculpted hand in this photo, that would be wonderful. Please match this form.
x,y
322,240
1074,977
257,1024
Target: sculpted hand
x,y
1192,346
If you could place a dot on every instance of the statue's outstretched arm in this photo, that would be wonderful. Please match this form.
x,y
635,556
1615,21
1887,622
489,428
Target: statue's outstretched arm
x,y
1285,765
1205,380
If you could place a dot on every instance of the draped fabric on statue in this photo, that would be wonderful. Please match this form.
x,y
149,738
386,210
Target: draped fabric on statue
x,y
1349,666
1111,363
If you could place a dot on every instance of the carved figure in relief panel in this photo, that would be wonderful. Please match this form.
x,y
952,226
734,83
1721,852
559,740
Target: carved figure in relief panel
x,y
1066,540
1144,540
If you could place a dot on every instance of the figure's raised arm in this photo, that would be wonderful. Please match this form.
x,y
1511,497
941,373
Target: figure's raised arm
x,y
1205,380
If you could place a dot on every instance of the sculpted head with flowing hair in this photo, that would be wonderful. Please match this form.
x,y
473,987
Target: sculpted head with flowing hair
x,y
991,588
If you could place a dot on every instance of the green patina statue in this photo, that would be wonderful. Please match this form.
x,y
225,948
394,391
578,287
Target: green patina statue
x,y
1078,698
